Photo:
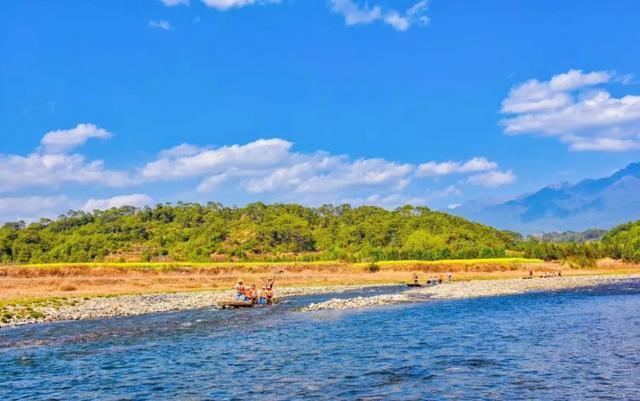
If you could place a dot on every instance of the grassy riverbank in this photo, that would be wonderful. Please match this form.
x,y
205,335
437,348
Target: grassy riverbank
x,y
28,290
109,278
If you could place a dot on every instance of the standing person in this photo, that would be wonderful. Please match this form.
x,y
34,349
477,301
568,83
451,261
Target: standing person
x,y
449,276
240,291
415,278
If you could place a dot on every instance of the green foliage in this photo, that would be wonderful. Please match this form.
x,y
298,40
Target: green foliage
x,y
259,232
579,262
623,242
561,251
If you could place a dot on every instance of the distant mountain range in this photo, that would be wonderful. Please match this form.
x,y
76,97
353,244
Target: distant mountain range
x,y
592,203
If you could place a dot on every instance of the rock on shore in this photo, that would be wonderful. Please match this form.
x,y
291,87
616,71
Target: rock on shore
x,y
131,305
471,289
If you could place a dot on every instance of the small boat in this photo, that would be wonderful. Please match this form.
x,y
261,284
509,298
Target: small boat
x,y
414,285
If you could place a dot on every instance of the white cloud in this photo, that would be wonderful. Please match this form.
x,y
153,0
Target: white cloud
x,y
359,173
269,165
265,169
604,144
386,201
492,179
62,141
355,14
43,170
451,190
476,164
137,200
173,3
52,166
567,107
197,162
25,207
224,5
160,24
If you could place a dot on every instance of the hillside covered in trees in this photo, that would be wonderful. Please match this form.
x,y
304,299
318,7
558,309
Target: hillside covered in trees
x,y
624,241
193,232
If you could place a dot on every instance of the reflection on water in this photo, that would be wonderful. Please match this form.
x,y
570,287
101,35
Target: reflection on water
x,y
572,345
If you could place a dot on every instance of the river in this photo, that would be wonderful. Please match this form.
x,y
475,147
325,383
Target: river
x,y
571,345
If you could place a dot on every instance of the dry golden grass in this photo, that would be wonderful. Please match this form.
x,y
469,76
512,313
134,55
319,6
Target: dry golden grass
x,y
30,282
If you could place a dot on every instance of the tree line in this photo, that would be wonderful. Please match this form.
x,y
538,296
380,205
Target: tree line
x,y
282,232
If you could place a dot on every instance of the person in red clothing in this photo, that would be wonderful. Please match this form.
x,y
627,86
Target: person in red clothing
x,y
240,291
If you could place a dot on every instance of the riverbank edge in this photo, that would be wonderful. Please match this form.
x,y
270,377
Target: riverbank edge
x,y
113,306
472,289
141,304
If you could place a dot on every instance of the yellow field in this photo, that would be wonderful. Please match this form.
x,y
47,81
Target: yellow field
x,y
241,265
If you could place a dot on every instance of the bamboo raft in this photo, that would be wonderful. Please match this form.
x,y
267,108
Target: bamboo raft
x,y
233,304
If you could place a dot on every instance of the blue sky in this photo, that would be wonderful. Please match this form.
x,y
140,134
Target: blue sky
x,y
379,102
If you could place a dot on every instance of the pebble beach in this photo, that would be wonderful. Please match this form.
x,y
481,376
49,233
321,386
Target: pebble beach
x,y
131,305
471,289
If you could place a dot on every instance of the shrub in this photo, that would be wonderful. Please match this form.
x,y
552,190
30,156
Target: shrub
x,y
373,267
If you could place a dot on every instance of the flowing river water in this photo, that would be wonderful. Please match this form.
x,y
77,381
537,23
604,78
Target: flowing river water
x,y
572,345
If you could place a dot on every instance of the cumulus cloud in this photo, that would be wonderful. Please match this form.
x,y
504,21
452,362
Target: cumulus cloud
x,y
137,200
52,165
387,201
62,141
266,169
160,24
25,207
362,172
197,162
492,179
356,14
571,107
269,165
224,5
476,164
45,170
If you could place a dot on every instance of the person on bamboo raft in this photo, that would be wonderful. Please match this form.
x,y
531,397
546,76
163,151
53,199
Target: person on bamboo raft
x,y
240,291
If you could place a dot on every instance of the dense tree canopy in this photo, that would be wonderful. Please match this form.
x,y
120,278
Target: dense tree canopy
x,y
193,232
623,242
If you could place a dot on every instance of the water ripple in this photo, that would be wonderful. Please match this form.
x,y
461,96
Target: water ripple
x,y
572,345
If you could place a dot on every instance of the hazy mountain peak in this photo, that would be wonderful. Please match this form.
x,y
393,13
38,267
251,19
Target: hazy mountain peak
x,y
591,203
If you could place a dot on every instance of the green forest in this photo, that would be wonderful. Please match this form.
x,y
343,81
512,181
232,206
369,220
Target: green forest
x,y
282,232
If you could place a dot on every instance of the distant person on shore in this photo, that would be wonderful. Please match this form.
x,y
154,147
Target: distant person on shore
x,y
559,273
449,275
530,273
415,278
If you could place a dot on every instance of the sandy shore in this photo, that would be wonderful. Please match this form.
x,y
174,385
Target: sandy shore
x,y
472,289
